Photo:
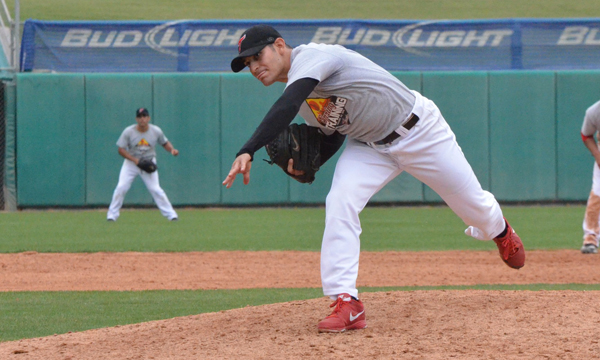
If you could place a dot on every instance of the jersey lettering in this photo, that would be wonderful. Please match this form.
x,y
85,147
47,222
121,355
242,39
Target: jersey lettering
x,y
330,112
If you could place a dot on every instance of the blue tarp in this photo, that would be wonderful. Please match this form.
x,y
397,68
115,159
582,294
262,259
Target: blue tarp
x,y
202,46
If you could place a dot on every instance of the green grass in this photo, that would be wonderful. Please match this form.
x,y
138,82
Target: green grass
x,y
384,228
307,9
37,314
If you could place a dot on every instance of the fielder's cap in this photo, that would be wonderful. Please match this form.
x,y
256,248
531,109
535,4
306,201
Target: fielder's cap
x,y
142,112
252,41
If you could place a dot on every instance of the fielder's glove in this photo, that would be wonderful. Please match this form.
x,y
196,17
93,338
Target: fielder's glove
x,y
147,165
301,143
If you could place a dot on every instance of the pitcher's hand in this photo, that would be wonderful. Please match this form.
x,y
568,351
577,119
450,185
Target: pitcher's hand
x,y
291,169
241,165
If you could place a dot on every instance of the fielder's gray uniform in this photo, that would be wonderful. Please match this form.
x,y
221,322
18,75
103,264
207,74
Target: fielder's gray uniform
x,y
141,146
358,98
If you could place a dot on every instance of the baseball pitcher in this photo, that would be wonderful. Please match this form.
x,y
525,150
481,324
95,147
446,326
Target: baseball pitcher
x,y
390,129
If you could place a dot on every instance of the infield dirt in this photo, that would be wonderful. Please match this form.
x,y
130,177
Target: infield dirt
x,y
441,324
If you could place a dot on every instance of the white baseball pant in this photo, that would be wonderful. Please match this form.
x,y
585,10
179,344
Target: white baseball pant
x,y
129,171
431,154
591,220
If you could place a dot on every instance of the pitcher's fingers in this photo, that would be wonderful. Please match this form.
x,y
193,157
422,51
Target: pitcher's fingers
x,y
228,181
231,176
291,169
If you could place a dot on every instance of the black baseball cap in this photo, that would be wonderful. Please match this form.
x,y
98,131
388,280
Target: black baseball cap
x,y
252,41
142,112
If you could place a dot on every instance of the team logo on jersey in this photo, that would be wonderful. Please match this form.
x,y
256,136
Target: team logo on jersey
x,y
330,112
143,145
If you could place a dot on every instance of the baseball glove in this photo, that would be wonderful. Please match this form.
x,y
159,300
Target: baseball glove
x,y
147,165
299,142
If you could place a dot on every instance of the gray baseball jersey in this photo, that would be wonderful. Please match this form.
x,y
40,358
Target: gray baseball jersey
x,y
142,145
354,96
591,121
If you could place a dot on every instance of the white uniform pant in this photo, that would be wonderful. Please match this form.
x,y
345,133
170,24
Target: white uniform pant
x,y
129,171
591,220
431,154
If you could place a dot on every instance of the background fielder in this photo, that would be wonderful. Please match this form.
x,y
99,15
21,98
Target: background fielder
x,y
138,142
591,226
391,129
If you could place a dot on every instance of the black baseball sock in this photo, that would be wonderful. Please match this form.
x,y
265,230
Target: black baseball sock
x,y
503,234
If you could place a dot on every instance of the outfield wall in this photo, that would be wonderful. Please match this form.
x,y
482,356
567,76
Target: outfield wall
x,y
519,130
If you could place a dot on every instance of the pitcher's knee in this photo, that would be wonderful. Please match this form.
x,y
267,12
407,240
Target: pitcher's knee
x,y
341,195
337,204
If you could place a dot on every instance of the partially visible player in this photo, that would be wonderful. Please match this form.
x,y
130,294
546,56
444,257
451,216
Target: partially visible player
x,y
391,129
591,220
138,142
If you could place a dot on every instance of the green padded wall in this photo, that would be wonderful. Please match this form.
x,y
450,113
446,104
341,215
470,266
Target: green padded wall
x,y
111,101
523,135
462,98
519,130
244,103
576,91
404,187
187,109
50,140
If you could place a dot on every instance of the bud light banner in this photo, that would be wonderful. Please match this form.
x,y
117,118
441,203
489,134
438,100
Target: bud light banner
x,y
204,46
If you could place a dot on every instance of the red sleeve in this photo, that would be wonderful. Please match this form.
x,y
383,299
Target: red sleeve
x,y
584,137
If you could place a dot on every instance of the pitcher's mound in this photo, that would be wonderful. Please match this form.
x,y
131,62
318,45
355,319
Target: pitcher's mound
x,y
401,325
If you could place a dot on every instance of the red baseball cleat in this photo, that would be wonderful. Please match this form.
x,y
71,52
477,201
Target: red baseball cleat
x,y
511,248
348,314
